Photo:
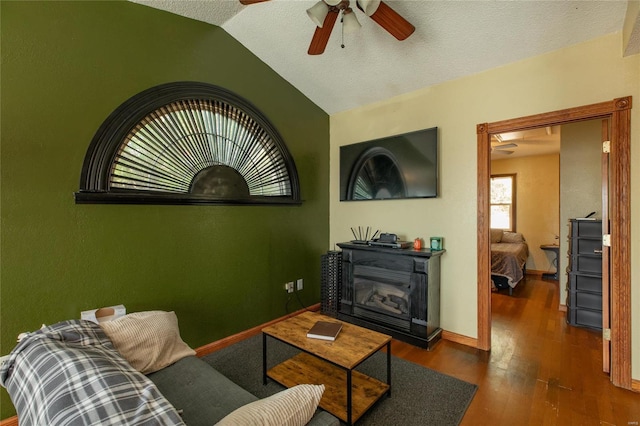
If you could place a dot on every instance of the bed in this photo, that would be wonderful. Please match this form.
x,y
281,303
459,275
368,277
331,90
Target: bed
x,y
509,252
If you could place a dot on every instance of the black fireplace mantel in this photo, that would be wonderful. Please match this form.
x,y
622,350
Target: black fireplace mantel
x,y
425,252
393,291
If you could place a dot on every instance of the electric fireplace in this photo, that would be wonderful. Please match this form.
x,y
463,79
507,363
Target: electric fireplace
x,y
393,291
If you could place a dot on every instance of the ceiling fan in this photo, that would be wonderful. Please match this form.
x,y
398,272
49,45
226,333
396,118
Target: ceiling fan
x,y
498,148
325,13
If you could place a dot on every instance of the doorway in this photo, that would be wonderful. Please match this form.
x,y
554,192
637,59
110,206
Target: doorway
x,y
618,111
525,185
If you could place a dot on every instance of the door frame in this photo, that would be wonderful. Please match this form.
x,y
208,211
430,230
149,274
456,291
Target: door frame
x,y
605,135
618,111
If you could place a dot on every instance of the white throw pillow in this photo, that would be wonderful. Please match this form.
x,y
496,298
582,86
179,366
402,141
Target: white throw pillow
x,y
291,407
496,235
149,340
512,237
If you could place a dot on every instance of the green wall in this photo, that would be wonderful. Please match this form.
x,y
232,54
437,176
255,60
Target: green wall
x,y
65,67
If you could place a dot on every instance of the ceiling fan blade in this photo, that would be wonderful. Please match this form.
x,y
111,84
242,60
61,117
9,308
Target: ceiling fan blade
x,y
506,145
391,21
321,36
248,2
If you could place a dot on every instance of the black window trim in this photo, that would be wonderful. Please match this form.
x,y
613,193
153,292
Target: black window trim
x,y
94,179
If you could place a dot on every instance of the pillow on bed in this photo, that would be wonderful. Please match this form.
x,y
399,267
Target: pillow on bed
x,y
512,237
291,407
496,235
149,340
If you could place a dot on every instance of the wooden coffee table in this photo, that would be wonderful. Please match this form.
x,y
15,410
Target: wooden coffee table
x,y
348,393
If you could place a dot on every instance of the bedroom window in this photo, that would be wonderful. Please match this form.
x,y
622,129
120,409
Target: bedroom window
x,y
503,202
188,143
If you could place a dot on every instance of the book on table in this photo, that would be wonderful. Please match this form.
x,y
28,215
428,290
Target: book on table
x,y
325,330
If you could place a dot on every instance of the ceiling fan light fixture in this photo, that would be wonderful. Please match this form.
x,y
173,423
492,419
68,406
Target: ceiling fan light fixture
x,y
349,21
318,12
369,7
333,2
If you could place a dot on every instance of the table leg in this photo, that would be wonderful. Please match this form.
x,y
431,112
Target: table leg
x,y
264,359
555,252
389,367
349,397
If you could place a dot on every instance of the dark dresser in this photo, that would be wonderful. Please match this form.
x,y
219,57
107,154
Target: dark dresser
x,y
584,291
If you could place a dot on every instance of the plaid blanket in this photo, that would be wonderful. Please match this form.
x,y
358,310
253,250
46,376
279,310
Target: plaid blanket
x,y
70,374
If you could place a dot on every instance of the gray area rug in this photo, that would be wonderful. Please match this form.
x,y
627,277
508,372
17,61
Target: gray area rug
x,y
419,396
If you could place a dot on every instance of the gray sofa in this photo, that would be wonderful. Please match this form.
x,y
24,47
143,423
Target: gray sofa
x,y
71,372
204,396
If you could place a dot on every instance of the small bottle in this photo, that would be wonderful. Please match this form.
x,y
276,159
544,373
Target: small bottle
x,y
417,244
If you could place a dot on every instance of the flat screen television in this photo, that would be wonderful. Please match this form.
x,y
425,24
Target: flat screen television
x,y
394,167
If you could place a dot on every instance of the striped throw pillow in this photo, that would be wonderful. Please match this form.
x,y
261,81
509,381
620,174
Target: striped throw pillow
x,y
291,407
149,340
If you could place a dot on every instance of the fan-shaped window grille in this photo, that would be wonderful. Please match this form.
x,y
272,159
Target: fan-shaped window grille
x,y
188,143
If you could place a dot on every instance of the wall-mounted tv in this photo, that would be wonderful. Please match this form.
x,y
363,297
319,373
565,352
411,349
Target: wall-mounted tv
x,y
394,167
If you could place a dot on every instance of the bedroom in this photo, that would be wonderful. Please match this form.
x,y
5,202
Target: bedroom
x,y
60,258
557,177
525,166
558,181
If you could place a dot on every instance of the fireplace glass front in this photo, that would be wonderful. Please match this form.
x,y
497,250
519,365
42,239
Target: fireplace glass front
x,y
382,295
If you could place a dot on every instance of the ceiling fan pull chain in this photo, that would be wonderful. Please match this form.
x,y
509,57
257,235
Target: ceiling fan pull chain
x,y
342,30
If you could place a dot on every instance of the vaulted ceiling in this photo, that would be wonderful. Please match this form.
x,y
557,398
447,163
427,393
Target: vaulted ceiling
x,y
452,39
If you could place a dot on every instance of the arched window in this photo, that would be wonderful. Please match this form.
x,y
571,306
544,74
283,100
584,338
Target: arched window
x,y
188,143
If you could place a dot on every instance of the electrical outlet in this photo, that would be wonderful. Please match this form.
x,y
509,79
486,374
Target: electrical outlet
x,y
299,284
289,287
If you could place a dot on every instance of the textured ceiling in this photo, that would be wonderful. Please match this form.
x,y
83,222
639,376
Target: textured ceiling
x,y
452,39
539,141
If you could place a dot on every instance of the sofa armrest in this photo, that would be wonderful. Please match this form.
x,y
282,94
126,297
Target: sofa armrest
x,y
205,396
202,394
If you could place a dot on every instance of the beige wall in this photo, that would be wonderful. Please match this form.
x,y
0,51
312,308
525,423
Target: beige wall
x,y
580,181
537,203
584,74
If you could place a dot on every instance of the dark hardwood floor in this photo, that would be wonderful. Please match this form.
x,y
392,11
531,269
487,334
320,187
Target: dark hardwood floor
x,y
540,370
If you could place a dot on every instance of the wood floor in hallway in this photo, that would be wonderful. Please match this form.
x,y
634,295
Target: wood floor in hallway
x,y
540,371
